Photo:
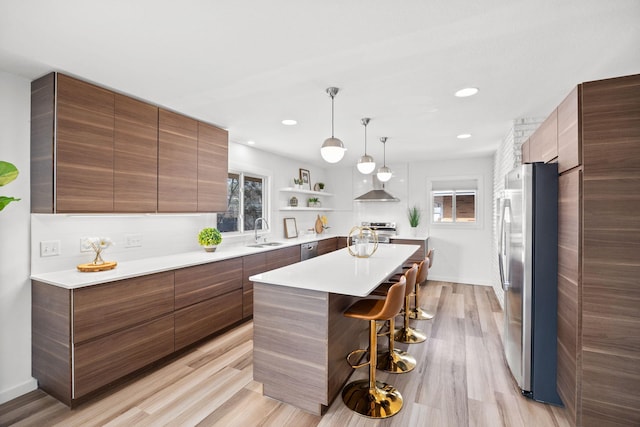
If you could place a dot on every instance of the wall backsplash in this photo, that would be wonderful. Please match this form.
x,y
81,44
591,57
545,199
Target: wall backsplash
x,y
161,235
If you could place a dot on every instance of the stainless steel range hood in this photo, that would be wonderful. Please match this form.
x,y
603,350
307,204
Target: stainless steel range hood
x,y
378,194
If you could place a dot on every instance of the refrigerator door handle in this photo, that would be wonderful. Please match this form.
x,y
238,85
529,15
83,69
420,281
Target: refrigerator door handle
x,y
505,230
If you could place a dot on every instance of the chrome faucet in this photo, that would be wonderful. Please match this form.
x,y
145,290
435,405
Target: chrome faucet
x,y
255,227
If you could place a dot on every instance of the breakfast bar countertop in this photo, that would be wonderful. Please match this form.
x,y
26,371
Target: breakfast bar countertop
x,y
340,273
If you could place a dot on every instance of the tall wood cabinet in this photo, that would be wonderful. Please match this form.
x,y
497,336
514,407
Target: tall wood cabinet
x,y
598,145
97,151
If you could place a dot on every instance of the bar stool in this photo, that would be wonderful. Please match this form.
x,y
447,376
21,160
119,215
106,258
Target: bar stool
x,y
395,360
369,397
407,334
417,312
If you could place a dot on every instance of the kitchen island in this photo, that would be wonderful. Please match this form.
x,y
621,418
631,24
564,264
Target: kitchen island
x,y
301,338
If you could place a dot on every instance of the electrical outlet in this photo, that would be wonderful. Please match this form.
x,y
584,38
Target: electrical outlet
x,y
132,240
49,248
85,246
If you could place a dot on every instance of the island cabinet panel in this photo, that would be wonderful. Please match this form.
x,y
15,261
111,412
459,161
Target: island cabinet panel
x,y
108,358
212,168
569,145
420,253
99,310
544,141
251,264
341,242
135,168
207,317
199,283
282,257
84,147
327,245
177,163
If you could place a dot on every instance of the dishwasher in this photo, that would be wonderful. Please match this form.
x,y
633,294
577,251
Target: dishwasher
x,y
308,250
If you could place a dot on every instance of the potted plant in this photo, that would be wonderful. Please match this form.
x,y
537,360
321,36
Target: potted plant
x,y
414,219
313,202
319,186
8,172
209,238
297,183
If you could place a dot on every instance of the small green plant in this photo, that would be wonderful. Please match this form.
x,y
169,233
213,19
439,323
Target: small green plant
x,y
313,200
8,172
209,237
297,181
321,185
414,216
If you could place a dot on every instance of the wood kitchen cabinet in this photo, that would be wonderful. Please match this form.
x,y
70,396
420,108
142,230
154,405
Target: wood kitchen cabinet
x,y
212,168
327,245
420,254
526,151
177,163
544,141
598,240
83,339
96,151
281,257
208,298
135,167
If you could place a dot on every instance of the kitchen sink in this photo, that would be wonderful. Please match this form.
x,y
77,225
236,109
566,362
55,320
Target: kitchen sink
x,y
265,245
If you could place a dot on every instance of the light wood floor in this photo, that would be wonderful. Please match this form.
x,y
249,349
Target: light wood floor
x,y
461,380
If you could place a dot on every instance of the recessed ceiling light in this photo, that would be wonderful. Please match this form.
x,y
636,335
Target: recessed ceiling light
x,y
289,122
467,91
251,142
464,136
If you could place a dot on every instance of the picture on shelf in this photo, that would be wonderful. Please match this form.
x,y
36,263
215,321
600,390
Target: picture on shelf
x,y
305,176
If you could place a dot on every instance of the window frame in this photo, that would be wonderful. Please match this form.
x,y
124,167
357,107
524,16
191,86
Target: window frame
x,y
479,201
266,200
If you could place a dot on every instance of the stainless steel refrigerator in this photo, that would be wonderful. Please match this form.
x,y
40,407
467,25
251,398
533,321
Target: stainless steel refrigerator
x,y
528,259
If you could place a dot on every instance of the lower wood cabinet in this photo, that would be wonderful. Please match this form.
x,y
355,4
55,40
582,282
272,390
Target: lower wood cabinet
x,y
420,254
327,245
106,359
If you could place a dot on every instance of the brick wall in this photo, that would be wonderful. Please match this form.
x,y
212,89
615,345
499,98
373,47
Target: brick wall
x,y
508,156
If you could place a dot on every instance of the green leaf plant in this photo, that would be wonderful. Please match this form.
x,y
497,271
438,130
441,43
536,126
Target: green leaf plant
x,y
8,172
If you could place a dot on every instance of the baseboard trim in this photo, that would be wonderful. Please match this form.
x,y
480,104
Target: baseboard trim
x,y
19,390
462,280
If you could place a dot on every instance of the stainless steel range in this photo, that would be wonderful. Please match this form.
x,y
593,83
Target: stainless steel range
x,y
384,230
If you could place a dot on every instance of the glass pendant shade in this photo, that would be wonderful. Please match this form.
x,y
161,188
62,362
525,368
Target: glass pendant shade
x,y
366,164
332,150
384,174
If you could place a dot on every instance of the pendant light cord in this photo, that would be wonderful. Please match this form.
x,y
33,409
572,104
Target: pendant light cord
x,y
365,140
332,116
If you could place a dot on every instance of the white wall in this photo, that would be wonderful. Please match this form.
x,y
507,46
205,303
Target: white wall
x,y
463,254
15,287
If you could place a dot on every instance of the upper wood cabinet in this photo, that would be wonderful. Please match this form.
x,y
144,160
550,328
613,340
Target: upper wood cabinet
x,y
135,165
569,146
544,141
97,151
526,151
177,163
213,145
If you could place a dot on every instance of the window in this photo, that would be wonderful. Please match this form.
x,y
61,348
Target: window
x,y
455,201
454,206
245,202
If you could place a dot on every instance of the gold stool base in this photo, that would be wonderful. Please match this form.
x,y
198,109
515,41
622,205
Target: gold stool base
x,y
382,401
396,362
409,336
419,314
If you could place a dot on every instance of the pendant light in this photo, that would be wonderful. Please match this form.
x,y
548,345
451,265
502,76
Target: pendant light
x,y
366,164
384,173
332,150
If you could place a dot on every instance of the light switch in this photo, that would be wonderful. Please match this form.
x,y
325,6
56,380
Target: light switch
x,y
49,248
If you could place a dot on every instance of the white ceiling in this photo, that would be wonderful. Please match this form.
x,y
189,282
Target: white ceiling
x,y
246,65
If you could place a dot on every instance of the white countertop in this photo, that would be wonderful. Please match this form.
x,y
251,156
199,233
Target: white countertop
x,y
340,273
72,278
